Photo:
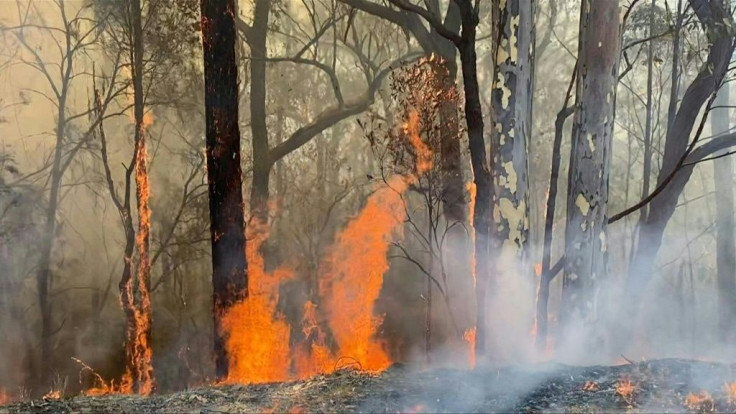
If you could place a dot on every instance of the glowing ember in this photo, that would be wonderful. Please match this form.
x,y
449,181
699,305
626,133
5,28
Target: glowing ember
x,y
417,408
5,397
52,395
701,401
590,386
626,389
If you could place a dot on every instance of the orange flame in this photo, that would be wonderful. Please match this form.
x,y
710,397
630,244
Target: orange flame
x,y
52,395
353,275
701,401
142,312
469,337
421,151
352,270
625,389
258,341
590,386
317,357
5,398
730,390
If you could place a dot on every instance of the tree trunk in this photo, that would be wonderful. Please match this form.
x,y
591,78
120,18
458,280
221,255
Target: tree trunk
x,y
590,159
725,243
662,207
224,176
481,174
140,355
511,114
647,169
262,161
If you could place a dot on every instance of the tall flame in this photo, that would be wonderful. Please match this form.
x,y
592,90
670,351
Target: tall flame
x,y
142,348
353,274
259,340
470,334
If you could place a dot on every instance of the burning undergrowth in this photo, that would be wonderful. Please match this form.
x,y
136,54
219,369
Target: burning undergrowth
x,y
651,386
351,278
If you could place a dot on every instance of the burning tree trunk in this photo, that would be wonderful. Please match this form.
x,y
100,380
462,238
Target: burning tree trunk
x,y
481,174
227,225
135,294
672,176
511,112
590,159
725,244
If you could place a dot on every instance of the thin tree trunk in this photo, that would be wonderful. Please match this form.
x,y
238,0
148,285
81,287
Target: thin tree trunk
x,y
647,171
547,274
676,144
481,173
511,115
262,162
224,176
585,234
725,243
141,356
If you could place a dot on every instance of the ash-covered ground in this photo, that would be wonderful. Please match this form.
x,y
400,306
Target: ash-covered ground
x,y
666,385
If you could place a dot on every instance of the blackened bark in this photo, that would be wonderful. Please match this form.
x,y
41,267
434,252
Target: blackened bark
x,y
227,226
585,233
547,274
481,173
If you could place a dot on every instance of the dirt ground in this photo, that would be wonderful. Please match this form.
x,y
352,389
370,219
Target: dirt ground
x,y
653,386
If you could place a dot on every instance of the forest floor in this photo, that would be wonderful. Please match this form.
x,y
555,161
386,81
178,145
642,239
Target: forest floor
x,y
659,386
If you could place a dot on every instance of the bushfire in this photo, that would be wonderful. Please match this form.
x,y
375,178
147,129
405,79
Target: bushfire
x,y
351,277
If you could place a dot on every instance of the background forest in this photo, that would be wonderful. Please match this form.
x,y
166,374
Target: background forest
x,y
446,181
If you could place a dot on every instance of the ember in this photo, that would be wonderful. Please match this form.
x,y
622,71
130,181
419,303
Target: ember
x,y
626,389
591,386
701,401
730,389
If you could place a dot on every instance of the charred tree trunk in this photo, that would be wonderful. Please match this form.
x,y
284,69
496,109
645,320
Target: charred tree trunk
x,y
262,160
547,273
662,207
590,159
453,186
224,176
139,355
479,162
725,243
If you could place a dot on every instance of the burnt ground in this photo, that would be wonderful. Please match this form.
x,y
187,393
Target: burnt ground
x,y
656,386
